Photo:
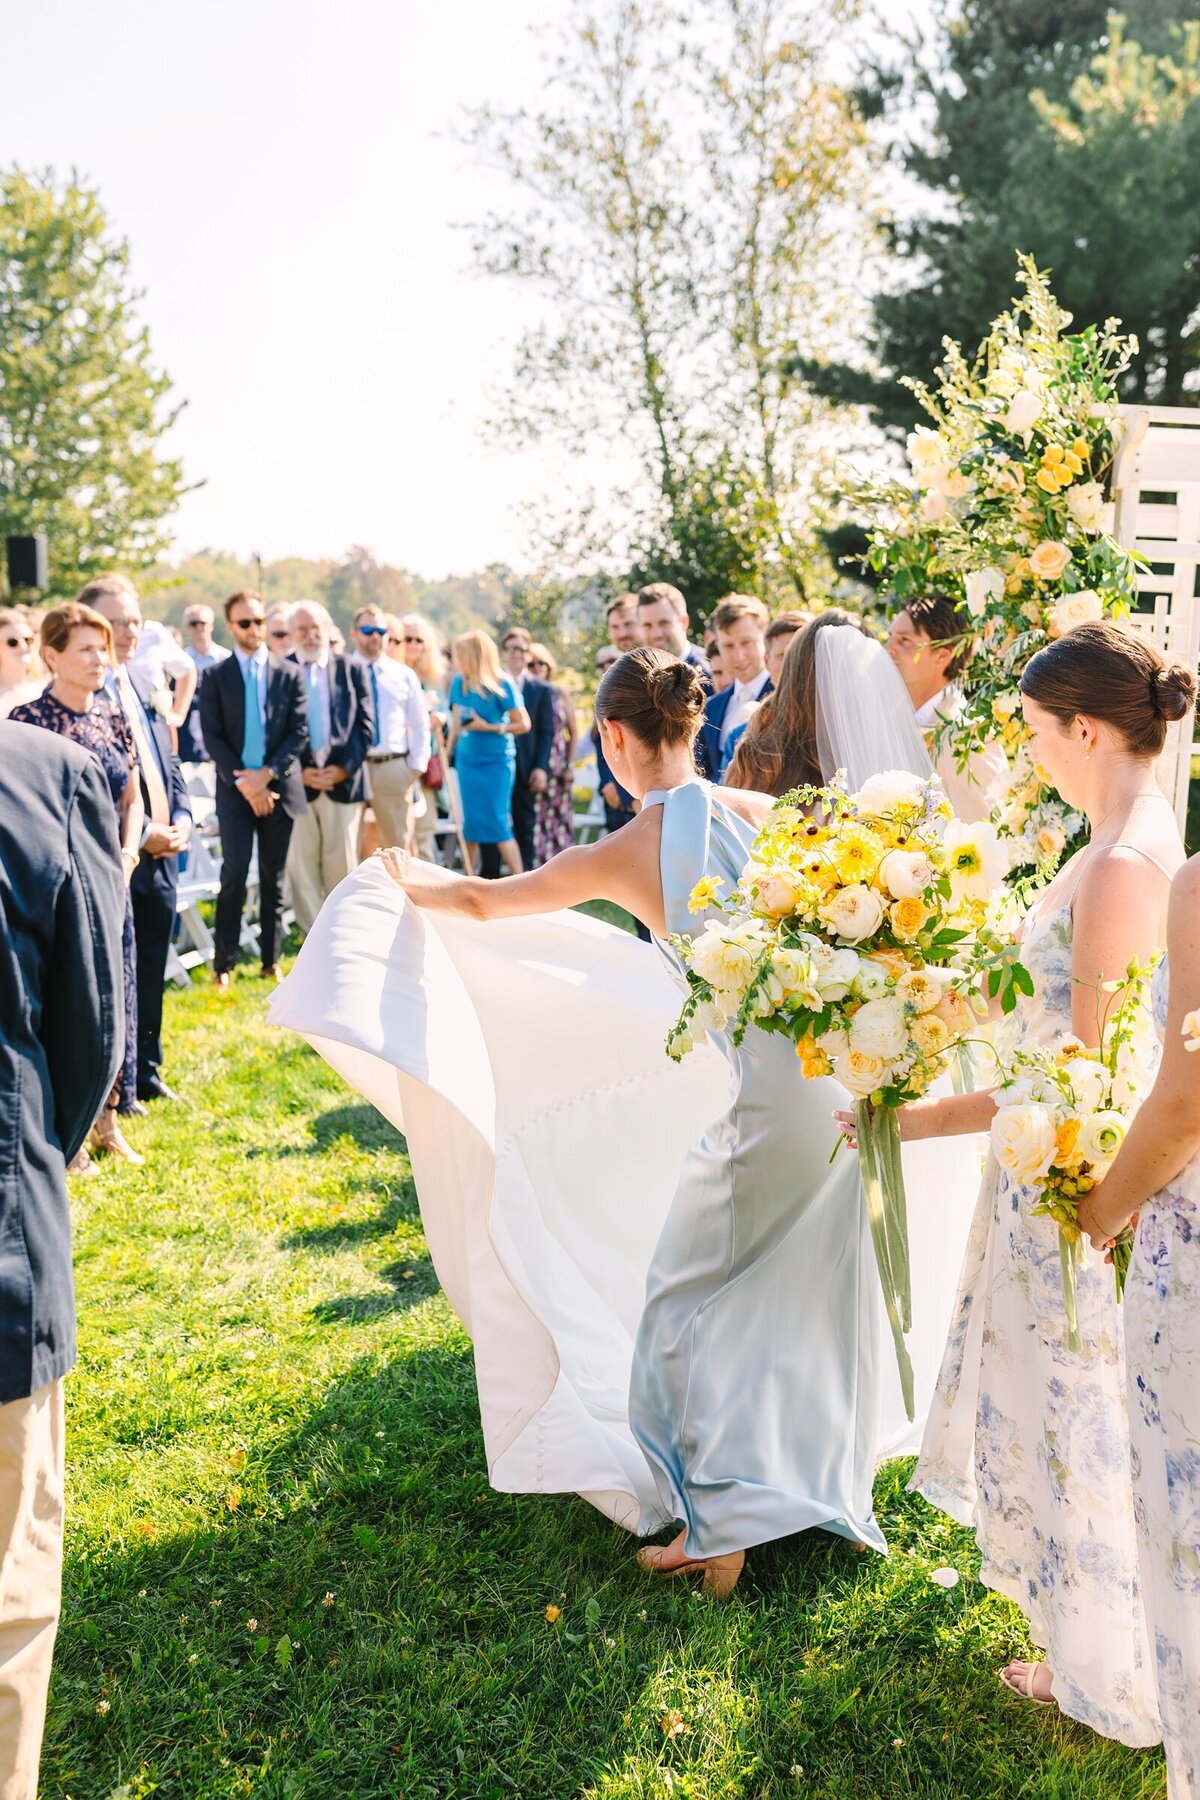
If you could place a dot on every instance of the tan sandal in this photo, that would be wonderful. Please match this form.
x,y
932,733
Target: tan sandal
x,y
1022,1685
108,1139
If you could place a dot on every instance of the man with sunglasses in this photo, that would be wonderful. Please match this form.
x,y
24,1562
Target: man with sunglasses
x,y
400,742
281,639
254,719
205,653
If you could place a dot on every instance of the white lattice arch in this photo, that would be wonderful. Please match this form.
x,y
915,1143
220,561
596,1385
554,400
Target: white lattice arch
x,y
1156,486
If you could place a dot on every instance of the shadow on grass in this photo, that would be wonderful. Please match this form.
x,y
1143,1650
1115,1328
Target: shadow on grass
x,y
409,1282
368,1129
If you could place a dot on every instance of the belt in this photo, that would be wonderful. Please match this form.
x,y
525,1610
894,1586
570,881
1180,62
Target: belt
x,y
378,756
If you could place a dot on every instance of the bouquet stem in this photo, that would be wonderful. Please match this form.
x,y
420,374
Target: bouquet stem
x,y
1067,1258
887,1214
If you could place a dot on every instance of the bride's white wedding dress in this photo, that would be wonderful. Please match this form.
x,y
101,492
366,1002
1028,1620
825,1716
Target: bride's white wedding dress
x,y
524,1060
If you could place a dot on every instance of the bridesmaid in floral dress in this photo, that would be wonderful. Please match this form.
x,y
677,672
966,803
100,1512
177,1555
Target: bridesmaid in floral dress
x,y
1027,1440
1157,1174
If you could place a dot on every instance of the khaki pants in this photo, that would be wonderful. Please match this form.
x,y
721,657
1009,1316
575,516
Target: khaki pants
x,y
391,797
425,818
323,850
31,1538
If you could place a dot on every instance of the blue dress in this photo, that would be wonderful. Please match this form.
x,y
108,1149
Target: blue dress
x,y
106,733
755,1390
486,763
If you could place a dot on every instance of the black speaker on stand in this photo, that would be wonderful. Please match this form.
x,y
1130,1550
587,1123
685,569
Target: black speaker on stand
x,y
28,562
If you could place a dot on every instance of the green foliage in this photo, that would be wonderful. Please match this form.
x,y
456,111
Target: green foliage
x,y
274,1437
81,409
1041,126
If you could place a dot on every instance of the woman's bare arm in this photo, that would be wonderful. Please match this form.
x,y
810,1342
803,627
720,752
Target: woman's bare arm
x,y
1165,1135
1117,918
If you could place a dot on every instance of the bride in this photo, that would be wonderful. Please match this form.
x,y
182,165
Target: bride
x,y
672,1295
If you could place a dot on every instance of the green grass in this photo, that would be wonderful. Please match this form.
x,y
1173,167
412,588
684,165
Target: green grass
x,y
273,1421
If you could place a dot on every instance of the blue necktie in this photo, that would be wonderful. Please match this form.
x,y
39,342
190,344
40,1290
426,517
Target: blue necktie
x,y
316,713
254,747
376,740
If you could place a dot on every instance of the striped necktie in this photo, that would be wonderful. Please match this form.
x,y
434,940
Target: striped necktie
x,y
156,793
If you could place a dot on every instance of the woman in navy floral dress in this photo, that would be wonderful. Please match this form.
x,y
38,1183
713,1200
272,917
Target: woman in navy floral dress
x,y
76,646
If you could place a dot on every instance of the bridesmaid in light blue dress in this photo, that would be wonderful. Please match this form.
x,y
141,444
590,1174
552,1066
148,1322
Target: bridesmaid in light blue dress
x,y
755,1393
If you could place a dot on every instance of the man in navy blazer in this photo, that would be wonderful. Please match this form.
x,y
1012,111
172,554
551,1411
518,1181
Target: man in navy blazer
x,y
740,624
62,1030
533,746
341,725
254,720
155,881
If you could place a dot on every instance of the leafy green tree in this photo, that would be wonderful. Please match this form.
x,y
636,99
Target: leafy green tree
x,y
690,209
1052,127
82,410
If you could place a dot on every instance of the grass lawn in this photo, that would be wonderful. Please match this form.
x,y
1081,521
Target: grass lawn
x,y
287,1576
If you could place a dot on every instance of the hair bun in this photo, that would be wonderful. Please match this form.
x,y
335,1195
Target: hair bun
x,y
677,691
1173,690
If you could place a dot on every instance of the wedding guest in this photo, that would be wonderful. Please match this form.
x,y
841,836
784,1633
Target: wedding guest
x,y
739,624
663,617
280,641
778,750
930,644
168,822
77,649
62,914
163,671
253,716
554,816
624,623
420,649
1155,1184
20,672
1028,1440
779,634
205,653
399,751
341,727
488,713
533,747
716,668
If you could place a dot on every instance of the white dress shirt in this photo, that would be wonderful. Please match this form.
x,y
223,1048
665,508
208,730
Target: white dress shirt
x,y
972,791
745,697
401,718
158,658
261,660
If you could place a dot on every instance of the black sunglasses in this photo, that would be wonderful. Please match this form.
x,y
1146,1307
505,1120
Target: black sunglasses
x,y
244,624
19,642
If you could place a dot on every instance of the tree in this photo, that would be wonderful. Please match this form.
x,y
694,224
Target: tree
x,y
1042,126
81,408
693,187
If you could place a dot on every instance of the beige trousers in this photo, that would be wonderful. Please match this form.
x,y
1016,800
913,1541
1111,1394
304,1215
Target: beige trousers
x,y
391,797
425,818
31,1541
323,850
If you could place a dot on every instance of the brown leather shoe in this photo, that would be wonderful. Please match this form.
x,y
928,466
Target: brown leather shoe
x,y
221,982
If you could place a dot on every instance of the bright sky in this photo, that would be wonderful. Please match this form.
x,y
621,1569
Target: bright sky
x,y
285,174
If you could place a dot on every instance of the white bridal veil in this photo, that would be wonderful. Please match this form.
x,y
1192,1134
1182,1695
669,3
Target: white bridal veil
x,y
865,719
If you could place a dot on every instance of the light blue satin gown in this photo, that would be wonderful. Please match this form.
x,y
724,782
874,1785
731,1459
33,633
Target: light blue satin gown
x,y
755,1390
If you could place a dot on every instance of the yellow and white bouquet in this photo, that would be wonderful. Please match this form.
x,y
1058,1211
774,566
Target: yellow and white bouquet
x,y
1062,1114
860,930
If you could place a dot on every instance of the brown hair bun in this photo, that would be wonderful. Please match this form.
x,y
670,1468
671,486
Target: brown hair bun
x,y
1173,691
659,697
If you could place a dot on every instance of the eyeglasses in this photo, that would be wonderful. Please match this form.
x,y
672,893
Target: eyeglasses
x,y
245,624
278,634
409,640
19,643
372,630
540,665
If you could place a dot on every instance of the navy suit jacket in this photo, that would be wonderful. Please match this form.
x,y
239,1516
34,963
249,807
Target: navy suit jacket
x,y
223,723
161,871
351,726
62,1028
534,745
708,743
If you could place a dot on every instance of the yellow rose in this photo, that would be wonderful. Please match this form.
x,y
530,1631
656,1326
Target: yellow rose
x,y
1049,560
907,917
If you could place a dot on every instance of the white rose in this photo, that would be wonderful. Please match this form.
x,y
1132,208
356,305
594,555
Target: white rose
x,y
1023,1139
1081,608
1088,1082
906,874
891,789
861,1073
983,587
928,456
853,913
934,506
1101,1136
777,893
1085,503
1023,412
878,1029
833,971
